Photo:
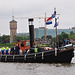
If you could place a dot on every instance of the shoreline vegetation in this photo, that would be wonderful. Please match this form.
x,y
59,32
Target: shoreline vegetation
x,y
5,39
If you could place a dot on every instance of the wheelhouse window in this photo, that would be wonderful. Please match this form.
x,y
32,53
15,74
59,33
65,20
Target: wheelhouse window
x,y
22,44
27,43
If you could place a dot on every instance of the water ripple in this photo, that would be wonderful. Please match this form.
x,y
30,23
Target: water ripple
x,y
37,68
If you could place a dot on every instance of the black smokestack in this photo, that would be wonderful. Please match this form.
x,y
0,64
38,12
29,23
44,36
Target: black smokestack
x,y
31,32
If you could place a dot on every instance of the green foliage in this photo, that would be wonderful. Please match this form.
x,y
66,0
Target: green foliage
x,y
4,39
72,33
54,39
42,37
71,36
60,37
64,35
8,44
17,38
48,37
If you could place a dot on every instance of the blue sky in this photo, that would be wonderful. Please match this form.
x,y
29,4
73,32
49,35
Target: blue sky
x,y
35,8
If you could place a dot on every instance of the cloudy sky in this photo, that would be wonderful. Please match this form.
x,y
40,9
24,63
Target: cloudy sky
x,y
35,8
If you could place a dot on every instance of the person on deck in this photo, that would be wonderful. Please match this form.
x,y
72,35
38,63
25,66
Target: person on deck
x,y
60,43
7,49
17,49
12,50
2,49
53,44
35,50
66,41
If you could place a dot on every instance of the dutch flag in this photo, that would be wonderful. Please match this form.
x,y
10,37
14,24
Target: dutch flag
x,y
49,21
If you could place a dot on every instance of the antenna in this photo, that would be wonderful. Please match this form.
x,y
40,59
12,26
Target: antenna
x,y
13,14
12,17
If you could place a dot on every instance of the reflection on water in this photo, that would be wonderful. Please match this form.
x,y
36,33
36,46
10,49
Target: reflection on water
x,y
37,68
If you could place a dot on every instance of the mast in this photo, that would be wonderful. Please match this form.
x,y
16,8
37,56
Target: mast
x,y
45,25
56,26
56,32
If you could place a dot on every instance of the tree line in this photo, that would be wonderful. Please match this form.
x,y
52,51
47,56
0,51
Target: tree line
x,y
64,35
5,39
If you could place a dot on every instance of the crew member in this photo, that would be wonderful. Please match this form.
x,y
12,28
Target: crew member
x,y
17,49
12,50
7,49
36,50
66,41
53,45
60,43
2,49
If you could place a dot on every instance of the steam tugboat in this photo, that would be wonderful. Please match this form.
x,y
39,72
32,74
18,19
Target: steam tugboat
x,y
62,54
58,55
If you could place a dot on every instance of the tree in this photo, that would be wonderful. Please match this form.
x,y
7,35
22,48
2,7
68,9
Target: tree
x,y
72,33
64,35
60,37
49,37
5,39
54,39
42,37
21,38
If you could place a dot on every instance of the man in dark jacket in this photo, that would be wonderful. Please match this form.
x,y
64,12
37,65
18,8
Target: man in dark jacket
x,y
17,48
12,50
60,43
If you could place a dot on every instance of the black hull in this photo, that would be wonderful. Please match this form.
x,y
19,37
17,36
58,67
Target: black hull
x,y
63,56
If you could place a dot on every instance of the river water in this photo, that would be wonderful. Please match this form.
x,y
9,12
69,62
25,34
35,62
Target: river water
x,y
37,68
